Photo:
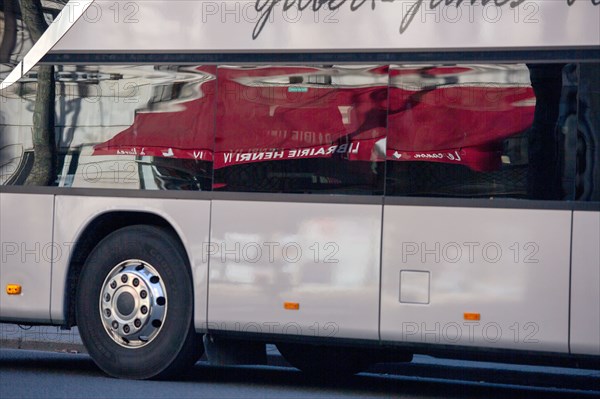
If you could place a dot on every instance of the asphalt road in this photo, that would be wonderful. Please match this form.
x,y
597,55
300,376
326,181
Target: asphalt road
x,y
37,374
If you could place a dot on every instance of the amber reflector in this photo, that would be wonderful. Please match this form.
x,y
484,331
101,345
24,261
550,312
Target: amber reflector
x,y
472,316
291,305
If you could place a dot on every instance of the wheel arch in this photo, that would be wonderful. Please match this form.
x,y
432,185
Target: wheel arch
x,y
96,229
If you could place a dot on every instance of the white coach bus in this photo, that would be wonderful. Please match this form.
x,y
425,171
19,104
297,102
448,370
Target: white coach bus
x,y
351,181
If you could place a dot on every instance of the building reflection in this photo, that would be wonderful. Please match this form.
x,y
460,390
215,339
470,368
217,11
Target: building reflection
x,y
495,130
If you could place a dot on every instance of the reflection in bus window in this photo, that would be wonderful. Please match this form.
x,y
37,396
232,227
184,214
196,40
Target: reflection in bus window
x,y
23,23
545,164
479,131
508,130
588,134
301,129
134,127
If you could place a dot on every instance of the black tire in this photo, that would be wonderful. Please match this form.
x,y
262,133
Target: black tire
x,y
161,349
326,362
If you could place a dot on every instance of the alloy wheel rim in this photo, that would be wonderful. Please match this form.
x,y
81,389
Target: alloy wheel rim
x,y
133,303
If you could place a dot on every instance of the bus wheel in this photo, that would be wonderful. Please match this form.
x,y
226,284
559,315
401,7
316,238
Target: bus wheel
x,y
135,305
326,362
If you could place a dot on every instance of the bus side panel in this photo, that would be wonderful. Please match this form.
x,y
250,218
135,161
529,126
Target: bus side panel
x,y
585,280
27,253
189,218
295,268
496,278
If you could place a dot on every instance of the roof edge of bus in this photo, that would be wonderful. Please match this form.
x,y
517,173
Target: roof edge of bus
x,y
64,21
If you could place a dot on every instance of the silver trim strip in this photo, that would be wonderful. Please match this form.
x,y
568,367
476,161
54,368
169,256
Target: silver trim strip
x,y
59,27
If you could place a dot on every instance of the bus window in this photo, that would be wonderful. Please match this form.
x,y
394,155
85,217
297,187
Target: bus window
x,y
136,127
588,134
482,130
301,129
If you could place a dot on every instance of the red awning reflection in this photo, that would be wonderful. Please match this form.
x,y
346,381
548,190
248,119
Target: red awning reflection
x,y
279,113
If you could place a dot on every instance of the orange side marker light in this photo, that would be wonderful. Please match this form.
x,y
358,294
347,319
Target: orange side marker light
x,y
13,289
291,306
472,316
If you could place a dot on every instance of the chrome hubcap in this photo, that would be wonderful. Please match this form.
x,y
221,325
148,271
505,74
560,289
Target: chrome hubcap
x,y
133,303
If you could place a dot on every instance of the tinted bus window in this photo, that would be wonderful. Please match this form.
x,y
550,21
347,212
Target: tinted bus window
x,y
137,127
301,129
587,185
511,130
482,131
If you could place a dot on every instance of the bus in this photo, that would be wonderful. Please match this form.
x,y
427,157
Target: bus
x,y
354,182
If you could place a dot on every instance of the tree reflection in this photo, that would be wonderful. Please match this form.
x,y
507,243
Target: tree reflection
x,y
9,36
43,171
